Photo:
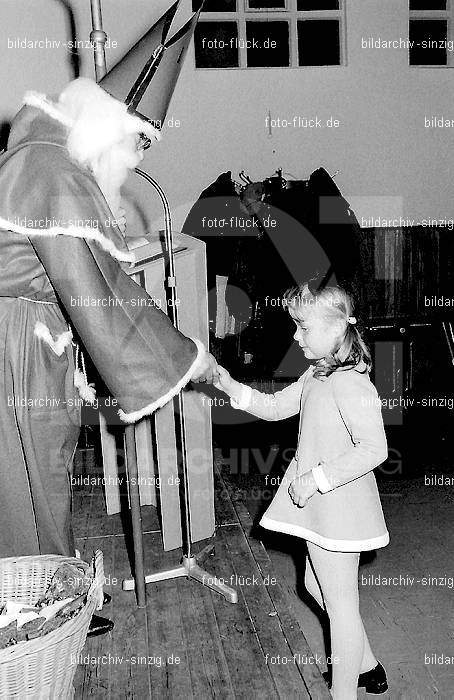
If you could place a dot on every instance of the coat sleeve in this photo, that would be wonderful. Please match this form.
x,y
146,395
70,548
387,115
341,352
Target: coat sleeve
x,y
141,357
281,404
360,410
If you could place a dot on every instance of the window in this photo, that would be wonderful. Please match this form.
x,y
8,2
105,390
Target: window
x,y
270,33
431,33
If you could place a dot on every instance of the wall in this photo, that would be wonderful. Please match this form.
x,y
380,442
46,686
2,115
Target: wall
x,y
390,164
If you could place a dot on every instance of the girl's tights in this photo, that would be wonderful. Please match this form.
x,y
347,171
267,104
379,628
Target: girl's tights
x,y
332,579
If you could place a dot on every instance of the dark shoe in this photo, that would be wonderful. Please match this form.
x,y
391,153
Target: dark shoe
x,y
99,625
107,599
327,675
374,681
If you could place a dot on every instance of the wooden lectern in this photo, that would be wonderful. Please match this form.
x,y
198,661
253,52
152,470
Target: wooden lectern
x,y
156,454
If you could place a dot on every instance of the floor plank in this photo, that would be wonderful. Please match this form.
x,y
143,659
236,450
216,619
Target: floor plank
x,y
298,648
242,647
170,674
94,675
209,668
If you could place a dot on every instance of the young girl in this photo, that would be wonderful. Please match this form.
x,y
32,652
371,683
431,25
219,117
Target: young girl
x,y
329,495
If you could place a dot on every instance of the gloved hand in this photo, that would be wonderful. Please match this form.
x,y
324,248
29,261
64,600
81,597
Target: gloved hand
x,y
206,370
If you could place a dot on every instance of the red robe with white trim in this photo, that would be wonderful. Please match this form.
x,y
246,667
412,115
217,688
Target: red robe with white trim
x,y
58,243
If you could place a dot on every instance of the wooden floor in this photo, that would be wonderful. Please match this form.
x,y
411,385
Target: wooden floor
x,y
189,642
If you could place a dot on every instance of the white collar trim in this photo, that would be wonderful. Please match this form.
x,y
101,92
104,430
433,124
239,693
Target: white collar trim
x,y
39,100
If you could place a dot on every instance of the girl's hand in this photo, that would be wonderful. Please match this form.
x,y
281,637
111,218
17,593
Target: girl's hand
x,y
225,381
302,488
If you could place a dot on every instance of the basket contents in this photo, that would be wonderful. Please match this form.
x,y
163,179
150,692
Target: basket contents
x,y
65,595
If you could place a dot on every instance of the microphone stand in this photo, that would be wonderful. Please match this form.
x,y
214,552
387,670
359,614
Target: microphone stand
x,y
189,566
98,38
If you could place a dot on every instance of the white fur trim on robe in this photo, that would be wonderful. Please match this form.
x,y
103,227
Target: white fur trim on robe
x,y
59,345
148,410
87,392
87,232
40,101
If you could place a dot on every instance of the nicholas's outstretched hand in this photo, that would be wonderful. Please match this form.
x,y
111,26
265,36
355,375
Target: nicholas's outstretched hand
x,y
207,370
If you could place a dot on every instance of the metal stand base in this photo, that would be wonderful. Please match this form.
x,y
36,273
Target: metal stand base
x,y
190,568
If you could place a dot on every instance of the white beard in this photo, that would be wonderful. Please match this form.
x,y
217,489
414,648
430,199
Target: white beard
x,y
111,171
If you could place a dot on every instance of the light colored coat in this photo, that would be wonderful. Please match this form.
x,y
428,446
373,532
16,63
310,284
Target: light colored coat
x,y
342,439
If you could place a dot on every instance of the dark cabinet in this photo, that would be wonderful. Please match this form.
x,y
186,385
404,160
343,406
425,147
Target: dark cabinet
x,y
406,303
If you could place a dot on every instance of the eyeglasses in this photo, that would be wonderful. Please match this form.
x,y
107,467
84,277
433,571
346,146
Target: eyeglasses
x,y
142,142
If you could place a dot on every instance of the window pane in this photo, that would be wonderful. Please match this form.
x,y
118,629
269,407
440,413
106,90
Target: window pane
x,y
318,42
266,4
267,44
216,45
215,5
318,5
427,4
429,42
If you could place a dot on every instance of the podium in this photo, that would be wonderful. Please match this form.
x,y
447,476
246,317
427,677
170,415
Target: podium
x,y
155,435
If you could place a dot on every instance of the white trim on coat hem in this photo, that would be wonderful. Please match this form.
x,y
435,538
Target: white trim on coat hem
x,y
85,232
325,542
148,410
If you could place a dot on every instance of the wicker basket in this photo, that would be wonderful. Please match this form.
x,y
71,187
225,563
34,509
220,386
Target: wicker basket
x,y
44,668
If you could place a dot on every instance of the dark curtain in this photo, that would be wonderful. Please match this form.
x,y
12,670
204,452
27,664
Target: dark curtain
x,y
302,231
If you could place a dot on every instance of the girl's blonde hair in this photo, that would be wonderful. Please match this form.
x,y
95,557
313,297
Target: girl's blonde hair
x,y
335,304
